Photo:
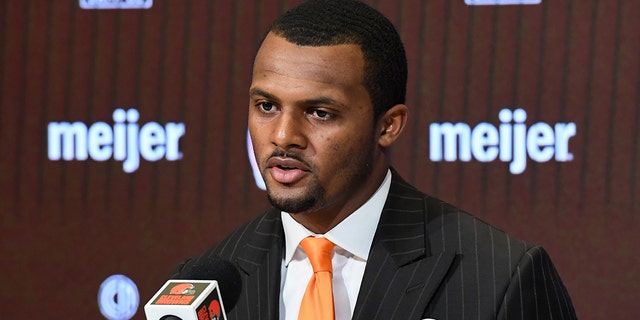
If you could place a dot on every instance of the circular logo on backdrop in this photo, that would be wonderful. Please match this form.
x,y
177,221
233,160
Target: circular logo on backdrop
x,y
118,298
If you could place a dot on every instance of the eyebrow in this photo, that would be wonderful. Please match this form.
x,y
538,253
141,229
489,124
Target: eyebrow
x,y
260,92
322,100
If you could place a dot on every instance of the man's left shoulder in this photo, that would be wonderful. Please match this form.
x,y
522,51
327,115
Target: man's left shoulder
x,y
452,229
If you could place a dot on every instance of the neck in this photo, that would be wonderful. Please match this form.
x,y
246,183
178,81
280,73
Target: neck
x,y
321,220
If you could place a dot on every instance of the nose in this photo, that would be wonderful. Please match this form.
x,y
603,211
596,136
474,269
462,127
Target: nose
x,y
289,131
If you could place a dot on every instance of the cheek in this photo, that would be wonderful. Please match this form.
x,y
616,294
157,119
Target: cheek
x,y
257,130
338,150
334,145
258,144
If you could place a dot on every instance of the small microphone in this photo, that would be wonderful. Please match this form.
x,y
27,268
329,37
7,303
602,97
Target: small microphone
x,y
193,294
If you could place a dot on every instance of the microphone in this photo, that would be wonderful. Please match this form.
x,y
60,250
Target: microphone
x,y
194,295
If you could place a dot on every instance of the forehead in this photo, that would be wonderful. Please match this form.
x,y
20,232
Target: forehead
x,y
335,64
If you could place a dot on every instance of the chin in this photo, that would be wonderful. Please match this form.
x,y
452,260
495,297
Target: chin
x,y
292,205
295,201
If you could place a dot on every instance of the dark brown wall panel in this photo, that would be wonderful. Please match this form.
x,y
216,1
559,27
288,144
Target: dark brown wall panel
x,y
77,222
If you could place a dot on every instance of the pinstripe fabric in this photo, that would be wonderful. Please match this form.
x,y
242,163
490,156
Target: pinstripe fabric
x,y
428,260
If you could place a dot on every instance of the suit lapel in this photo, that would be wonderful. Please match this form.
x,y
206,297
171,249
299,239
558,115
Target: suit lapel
x,y
260,263
402,273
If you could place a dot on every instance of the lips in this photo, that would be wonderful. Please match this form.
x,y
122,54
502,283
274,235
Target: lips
x,y
287,170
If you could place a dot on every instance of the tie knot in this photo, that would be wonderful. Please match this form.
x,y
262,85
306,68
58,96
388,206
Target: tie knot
x,y
319,252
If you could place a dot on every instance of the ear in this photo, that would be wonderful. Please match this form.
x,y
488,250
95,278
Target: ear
x,y
391,124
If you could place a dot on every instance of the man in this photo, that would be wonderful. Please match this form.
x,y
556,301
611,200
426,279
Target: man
x,y
326,104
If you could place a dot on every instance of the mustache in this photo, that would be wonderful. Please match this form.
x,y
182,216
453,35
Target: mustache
x,y
291,155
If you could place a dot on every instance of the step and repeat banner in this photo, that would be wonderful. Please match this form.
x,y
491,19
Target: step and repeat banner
x,y
123,138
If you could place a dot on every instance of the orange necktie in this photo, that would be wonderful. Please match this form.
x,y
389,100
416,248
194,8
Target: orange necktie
x,y
317,302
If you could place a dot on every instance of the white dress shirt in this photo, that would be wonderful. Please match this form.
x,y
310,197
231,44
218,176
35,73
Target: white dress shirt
x,y
352,237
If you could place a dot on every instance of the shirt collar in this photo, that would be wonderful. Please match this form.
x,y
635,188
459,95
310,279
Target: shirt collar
x,y
356,241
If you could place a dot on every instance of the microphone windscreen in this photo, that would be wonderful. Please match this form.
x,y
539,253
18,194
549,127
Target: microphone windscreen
x,y
215,268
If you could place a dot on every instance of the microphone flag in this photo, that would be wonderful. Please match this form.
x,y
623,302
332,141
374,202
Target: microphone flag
x,y
186,300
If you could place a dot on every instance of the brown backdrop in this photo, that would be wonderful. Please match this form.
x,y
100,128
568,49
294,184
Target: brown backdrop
x,y
67,225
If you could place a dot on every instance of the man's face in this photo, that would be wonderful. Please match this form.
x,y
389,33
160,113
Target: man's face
x,y
312,126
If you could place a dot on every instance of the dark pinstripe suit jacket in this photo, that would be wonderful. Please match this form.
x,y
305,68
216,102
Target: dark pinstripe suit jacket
x,y
428,260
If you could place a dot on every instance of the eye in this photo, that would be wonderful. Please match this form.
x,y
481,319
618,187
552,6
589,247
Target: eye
x,y
265,106
321,114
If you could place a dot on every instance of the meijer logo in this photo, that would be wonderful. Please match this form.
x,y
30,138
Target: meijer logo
x,y
126,141
510,142
118,297
116,4
499,2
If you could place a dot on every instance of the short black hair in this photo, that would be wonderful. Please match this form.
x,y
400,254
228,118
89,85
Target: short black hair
x,y
335,22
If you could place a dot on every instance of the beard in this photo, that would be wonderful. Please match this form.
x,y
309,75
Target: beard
x,y
302,203
311,199
358,171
